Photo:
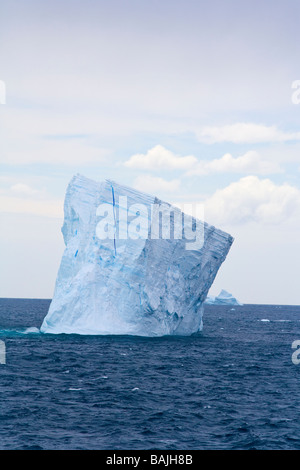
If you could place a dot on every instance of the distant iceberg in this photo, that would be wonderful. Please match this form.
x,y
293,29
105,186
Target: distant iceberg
x,y
119,276
224,298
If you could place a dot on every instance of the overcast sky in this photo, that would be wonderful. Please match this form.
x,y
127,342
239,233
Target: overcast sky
x,y
188,100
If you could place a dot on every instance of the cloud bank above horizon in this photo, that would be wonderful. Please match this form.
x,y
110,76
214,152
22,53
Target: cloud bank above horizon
x,y
178,99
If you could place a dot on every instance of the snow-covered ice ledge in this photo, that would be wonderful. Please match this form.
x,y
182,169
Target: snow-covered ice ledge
x,y
144,286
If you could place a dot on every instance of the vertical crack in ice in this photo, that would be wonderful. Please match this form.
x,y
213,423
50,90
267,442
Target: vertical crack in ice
x,y
113,198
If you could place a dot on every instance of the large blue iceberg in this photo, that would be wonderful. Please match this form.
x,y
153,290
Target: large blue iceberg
x,y
120,274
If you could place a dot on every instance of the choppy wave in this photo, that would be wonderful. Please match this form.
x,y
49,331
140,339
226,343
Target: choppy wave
x,y
29,330
232,387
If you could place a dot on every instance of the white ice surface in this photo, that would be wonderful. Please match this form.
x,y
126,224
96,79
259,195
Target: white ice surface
x,y
139,287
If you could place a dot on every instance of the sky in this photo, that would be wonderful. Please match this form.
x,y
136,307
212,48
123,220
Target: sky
x,y
192,101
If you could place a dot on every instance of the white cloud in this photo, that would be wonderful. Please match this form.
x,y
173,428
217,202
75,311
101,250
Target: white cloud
x,y
23,199
253,199
249,133
17,205
55,152
160,158
250,162
28,137
22,189
152,184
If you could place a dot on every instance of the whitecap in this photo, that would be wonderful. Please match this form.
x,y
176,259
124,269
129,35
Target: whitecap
x,y
20,331
98,378
30,330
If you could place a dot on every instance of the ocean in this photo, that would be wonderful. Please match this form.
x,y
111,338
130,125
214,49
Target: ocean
x,y
234,386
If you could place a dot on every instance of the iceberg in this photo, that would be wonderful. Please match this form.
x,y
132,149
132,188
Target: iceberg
x,y
120,274
224,298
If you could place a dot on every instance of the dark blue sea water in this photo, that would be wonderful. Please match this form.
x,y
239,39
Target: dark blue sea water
x,y
232,387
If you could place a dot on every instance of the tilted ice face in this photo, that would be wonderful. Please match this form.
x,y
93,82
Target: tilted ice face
x,y
133,284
